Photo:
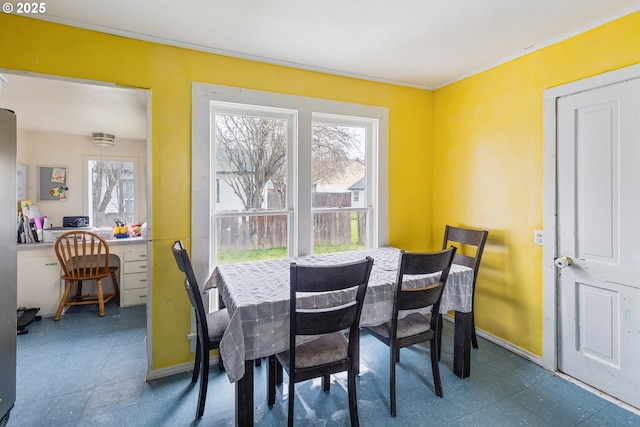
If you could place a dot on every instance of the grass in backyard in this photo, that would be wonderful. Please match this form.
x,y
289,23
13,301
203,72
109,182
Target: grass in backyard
x,y
258,254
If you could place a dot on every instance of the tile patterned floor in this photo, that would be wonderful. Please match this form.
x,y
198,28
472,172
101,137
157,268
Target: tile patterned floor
x,y
89,371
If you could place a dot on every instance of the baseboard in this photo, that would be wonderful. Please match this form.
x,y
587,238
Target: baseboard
x,y
177,369
504,344
538,361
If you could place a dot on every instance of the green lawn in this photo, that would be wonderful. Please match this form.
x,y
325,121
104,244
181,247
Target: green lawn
x,y
254,255
258,254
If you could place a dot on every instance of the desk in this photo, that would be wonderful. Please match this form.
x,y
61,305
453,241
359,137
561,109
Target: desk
x,y
39,274
257,296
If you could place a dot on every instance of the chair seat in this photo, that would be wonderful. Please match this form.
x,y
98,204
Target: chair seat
x,y
85,273
217,322
413,324
324,350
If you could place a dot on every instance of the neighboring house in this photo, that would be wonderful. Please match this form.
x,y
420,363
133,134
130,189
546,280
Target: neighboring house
x,y
358,193
227,200
350,179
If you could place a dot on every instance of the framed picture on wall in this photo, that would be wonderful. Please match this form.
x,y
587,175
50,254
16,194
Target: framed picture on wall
x,y
52,183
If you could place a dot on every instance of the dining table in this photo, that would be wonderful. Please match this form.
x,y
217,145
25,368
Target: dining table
x,y
256,295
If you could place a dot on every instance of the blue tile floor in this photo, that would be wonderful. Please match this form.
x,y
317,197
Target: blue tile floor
x,y
89,371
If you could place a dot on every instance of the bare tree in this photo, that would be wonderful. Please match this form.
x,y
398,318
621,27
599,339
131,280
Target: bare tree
x,y
108,180
252,151
332,148
105,178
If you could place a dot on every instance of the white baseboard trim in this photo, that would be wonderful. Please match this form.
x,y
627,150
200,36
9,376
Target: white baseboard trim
x,y
177,369
538,361
502,343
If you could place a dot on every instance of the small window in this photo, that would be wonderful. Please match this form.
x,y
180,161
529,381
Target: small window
x,y
111,191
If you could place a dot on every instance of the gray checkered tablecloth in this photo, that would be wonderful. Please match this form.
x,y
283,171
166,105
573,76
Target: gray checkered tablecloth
x,y
256,294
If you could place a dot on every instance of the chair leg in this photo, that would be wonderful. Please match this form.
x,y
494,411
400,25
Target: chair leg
x,y
204,381
279,373
392,380
271,380
435,368
196,364
100,297
116,287
63,300
353,398
439,336
291,398
326,382
79,289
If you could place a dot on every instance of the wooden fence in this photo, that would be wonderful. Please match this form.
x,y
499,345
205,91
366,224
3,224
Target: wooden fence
x,y
270,231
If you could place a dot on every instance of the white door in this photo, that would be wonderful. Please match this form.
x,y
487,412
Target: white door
x,y
598,200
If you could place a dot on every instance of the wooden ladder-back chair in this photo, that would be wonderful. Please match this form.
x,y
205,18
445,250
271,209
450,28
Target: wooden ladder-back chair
x,y
470,244
414,328
210,326
331,351
83,256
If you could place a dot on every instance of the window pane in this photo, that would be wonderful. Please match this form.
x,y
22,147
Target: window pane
x,y
339,231
338,166
111,192
245,238
251,163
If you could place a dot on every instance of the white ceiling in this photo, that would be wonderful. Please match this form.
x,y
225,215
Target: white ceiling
x,y
415,42
418,43
60,106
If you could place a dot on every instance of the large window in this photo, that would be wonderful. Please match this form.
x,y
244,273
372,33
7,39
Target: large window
x,y
277,175
252,210
111,191
339,147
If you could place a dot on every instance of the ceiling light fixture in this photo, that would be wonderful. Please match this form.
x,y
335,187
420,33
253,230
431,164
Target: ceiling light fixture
x,y
104,139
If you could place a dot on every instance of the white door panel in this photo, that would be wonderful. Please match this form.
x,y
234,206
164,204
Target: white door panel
x,y
599,228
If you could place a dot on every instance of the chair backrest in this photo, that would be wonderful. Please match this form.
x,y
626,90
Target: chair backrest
x,y
470,244
191,286
82,254
413,263
339,311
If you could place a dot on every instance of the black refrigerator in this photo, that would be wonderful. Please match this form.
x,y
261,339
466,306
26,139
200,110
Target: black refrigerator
x,y
8,263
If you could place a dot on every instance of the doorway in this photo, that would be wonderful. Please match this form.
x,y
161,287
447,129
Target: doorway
x,y
56,119
591,278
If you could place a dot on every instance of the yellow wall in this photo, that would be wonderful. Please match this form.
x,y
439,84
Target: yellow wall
x,y
488,152
41,47
477,143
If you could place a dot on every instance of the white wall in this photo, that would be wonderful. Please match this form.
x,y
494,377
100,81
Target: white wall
x,y
51,149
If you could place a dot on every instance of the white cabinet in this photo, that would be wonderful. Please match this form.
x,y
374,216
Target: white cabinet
x,y
39,280
133,288
39,283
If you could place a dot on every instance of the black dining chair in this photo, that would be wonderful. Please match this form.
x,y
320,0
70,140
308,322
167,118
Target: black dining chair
x,y
331,351
470,244
415,327
210,326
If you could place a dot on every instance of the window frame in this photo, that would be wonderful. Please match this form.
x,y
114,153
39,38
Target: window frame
x,y
299,164
86,184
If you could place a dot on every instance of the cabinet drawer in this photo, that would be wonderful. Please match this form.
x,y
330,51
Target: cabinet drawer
x,y
135,256
134,281
134,267
134,297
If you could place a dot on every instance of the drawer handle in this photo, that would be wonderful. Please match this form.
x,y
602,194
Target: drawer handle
x,y
142,256
142,296
142,280
142,266
51,263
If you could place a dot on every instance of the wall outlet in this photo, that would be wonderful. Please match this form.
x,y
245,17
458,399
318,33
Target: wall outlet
x,y
538,237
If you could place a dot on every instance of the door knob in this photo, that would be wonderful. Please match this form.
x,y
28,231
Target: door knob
x,y
563,261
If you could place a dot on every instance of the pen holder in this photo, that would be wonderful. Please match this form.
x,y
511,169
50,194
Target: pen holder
x,y
120,231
